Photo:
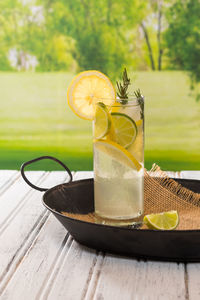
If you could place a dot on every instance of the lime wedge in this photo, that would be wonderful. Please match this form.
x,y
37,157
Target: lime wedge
x,y
102,121
163,221
125,129
118,153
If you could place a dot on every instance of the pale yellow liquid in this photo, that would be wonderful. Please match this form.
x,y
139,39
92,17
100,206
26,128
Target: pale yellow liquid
x,y
118,189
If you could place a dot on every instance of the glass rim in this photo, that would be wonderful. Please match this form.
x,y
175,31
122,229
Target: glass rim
x,y
131,101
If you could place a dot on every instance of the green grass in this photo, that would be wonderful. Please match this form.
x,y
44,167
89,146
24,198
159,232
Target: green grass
x,y
35,120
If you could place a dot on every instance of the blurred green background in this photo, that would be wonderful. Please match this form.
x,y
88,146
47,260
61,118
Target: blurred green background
x,y
45,43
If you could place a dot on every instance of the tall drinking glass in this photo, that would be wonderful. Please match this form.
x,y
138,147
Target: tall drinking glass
x,y
118,148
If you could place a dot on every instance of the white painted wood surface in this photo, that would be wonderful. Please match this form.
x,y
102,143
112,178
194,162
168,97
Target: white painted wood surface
x,y
40,260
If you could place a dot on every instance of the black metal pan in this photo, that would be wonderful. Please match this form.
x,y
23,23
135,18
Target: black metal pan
x,y
78,198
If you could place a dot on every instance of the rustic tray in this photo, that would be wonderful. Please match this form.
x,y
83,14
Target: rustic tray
x,y
78,198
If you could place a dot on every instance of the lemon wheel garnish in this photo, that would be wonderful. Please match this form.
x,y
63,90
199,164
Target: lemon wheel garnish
x,y
88,88
164,221
102,121
118,153
125,129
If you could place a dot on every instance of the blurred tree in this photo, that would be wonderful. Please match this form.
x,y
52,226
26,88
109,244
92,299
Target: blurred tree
x,y
183,37
25,36
15,21
99,30
88,34
9,29
153,25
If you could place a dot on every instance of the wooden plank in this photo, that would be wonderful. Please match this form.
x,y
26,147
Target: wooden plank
x,y
126,278
22,229
7,177
13,196
193,281
44,258
18,191
74,268
30,275
192,270
83,175
173,174
73,274
190,174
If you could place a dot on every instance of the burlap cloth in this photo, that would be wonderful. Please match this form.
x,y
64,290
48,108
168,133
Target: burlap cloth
x,y
161,194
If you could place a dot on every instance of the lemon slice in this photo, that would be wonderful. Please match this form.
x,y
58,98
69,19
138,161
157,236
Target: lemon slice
x,y
86,89
163,221
139,123
118,153
137,147
125,129
102,121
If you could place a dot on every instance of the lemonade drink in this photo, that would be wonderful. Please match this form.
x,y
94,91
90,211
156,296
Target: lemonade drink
x,y
118,123
118,161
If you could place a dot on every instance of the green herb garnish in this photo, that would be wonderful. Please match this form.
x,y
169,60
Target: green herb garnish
x,y
123,94
140,100
123,87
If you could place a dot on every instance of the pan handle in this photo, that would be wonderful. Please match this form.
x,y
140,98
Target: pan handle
x,y
37,159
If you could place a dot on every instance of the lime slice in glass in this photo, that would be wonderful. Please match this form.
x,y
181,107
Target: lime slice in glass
x,y
102,121
163,221
125,129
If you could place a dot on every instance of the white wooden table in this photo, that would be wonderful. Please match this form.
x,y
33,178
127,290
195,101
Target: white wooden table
x,y
40,260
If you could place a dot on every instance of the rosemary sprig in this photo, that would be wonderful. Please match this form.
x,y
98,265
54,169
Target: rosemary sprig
x,y
123,87
122,92
140,100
